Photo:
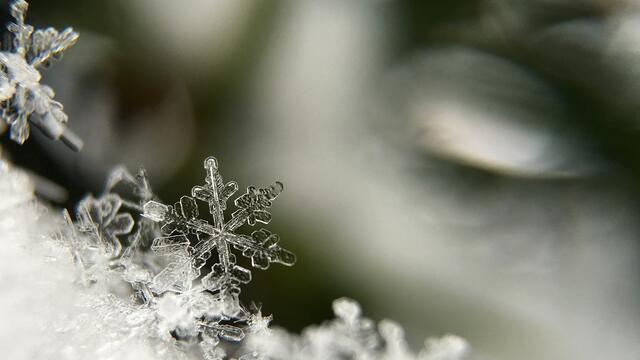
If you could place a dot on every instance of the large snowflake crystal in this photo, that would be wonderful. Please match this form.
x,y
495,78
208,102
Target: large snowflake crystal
x,y
22,98
180,222
127,240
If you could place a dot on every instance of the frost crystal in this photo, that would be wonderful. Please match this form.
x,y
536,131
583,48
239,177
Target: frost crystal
x,y
22,98
159,252
103,218
181,221
118,308
349,336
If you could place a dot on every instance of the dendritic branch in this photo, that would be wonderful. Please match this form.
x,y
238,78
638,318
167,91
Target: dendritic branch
x,y
23,99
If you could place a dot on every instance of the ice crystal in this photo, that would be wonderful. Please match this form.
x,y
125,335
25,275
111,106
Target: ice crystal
x,y
115,310
181,221
105,219
349,336
23,98
160,251
112,227
188,243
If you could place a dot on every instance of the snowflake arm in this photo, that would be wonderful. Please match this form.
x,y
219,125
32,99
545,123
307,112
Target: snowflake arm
x,y
22,98
262,248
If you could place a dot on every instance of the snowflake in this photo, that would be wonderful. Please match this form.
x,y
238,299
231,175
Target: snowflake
x,y
22,98
160,250
103,218
180,222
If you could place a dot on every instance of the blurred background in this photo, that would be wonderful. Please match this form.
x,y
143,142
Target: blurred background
x,y
467,167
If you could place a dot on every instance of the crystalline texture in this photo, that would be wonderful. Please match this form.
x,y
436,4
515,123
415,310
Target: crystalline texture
x,y
161,250
109,226
350,336
23,99
187,242
181,220
167,305
134,191
101,218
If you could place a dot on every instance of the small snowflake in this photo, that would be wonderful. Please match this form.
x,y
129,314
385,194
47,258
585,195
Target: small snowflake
x,y
102,218
108,218
109,235
22,98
